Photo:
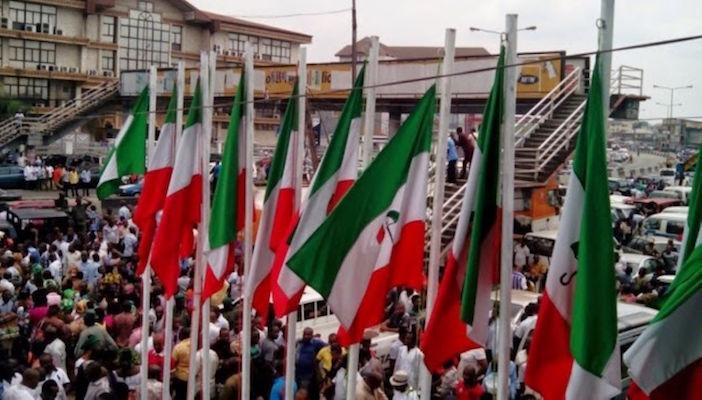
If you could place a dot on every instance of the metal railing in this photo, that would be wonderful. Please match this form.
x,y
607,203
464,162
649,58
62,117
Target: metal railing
x,y
544,109
12,128
559,138
453,212
627,80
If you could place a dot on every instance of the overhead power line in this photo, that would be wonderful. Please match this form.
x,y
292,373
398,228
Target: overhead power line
x,y
307,14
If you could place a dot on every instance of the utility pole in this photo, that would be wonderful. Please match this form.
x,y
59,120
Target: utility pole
x,y
353,41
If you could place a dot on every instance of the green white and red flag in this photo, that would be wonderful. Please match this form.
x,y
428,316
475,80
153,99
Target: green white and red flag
x,y
374,239
227,214
181,208
574,353
128,156
335,175
156,179
278,211
459,320
665,362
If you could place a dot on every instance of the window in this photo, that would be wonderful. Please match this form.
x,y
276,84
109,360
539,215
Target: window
x,y
108,61
22,14
275,50
176,37
29,51
145,41
308,310
27,88
675,227
146,6
108,29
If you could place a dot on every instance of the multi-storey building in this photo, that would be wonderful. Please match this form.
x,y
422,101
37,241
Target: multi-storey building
x,y
55,51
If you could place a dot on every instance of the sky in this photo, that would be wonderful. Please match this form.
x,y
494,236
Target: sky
x,y
561,25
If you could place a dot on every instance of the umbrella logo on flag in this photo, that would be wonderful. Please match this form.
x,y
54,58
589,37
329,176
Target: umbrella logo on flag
x,y
391,219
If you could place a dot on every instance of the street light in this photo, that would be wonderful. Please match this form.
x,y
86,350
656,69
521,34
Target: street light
x,y
672,93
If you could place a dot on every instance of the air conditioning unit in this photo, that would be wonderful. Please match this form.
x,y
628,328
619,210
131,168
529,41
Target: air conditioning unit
x,y
63,68
73,70
52,68
108,73
227,52
42,67
58,31
45,28
92,72
40,105
29,28
4,23
217,48
257,56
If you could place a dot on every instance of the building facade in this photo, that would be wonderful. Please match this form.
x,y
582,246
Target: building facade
x,y
52,50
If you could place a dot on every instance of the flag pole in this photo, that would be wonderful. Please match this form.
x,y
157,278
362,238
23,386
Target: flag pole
x,y
439,185
248,220
604,42
203,229
298,158
146,275
369,117
510,98
197,276
368,129
168,341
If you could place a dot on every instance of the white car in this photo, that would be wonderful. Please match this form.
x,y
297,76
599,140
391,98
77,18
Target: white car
x,y
636,262
684,192
677,210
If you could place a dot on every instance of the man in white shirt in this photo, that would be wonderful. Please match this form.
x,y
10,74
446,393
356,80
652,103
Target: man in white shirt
x,y
58,375
55,267
521,254
26,389
56,348
410,359
124,211
129,241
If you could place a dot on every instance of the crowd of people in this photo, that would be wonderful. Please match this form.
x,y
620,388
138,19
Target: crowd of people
x,y
39,174
70,327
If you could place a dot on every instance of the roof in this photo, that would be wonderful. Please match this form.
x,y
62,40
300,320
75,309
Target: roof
x,y
405,52
37,213
301,37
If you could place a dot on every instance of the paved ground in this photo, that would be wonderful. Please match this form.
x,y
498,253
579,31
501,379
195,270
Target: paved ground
x,y
649,163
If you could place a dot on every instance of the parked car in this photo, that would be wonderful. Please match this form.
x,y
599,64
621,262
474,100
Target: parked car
x,y
677,210
619,186
655,205
131,189
667,175
665,194
637,245
664,224
684,192
11,177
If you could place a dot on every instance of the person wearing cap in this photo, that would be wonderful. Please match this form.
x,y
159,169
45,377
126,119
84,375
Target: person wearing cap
x,y
369,387
400,387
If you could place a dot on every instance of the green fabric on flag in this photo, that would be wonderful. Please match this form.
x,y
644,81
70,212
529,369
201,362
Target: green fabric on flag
x,y
195,111
318,261
128,157
594,321
223,219
288,125
172,107
486,198
688,281
694,218
334,155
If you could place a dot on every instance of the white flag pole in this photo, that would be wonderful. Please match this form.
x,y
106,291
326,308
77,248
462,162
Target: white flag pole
x,y
197,276
510,98
367,153
439,185
146,275
369,117
248,220
298,158
168,338
604,39
203,229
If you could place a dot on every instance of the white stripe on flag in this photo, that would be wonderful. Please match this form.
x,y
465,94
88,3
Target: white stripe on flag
x,y
111,171
189,151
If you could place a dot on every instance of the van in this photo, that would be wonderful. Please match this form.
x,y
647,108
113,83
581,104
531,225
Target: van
x,y
677,210
632,319
541,243
664,224
314,312
683,192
